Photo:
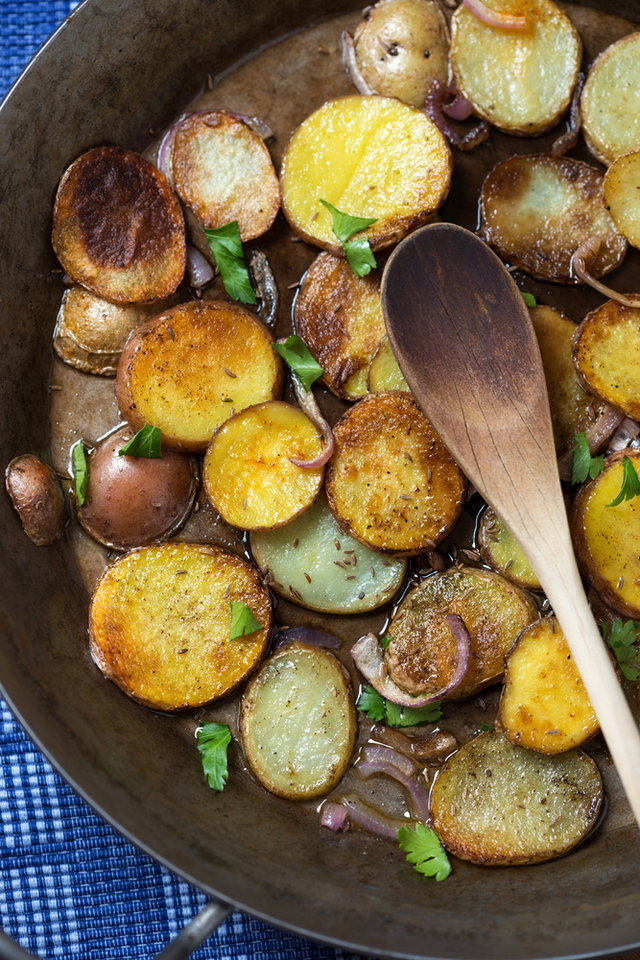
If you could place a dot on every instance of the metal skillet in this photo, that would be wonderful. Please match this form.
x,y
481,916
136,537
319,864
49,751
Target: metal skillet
x,y
133,766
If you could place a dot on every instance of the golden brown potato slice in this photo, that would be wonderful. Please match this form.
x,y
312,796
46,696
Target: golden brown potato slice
x,y
544,705
191,368
610,102
422,656
339,317
160,619
503,553
401,47
519,80
368,157
384,372
621,194
224,172
606,353
500,805
118,228
298,722
390,482
36,494
606,538
537,210
248,475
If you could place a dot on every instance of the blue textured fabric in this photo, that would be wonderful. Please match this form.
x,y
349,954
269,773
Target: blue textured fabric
x,y
69,885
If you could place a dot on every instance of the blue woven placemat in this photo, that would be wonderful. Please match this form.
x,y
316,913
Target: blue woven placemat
x,y
70,886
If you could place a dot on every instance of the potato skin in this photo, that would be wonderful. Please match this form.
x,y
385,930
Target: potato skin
x,y
37,497
606,355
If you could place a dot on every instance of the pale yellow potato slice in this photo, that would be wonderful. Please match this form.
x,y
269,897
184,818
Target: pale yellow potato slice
x,y
544,705
339,317
621,194
160,618
384,372
313,562
189,369
369,157
610,102
606,353
519,80
298,722
247,473
500,805
502,552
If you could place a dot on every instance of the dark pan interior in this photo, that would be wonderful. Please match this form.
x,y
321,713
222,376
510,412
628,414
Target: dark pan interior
x,y
114,70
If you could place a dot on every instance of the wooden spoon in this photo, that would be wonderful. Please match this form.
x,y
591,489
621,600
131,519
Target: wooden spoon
x,y
461,333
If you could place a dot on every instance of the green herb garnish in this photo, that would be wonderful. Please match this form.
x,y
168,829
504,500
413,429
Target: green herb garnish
x,y
80,471
296,353
213,740
486,727
226,246
424,850
630,483
377,708
358,252
243,621
529,299
621,638
584,465
145,443
384,642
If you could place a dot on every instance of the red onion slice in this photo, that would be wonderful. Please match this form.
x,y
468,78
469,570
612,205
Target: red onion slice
x,y
309,405
165,153
418,792
503,21
433,107
570,138
372,820
334,816
376,753
315,638
350,62
461,108
367,655
596,436
586,253
199,269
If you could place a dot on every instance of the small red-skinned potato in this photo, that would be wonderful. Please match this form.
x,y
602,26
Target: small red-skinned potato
x,y
36,494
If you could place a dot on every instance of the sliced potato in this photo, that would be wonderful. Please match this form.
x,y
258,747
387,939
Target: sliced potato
x,y
369,157
502,552
544,705
223,171
422,656
298,722
36,494
339,317
313,562
384,372
248,474
621,194
606,538
537,210
500,805
160,619
191,368
610,102
606,353
118,228
390,482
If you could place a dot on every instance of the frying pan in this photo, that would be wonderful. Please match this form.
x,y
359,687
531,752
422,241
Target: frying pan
x,y
111,72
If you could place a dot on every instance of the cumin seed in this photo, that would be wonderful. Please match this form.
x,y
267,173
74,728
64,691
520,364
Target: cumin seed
x,y
308,578
230,373
292,286
227,592
372,571
465,793
227,400
156,505
405,496
180,573
466,594
315,216
441,610
553,626
551,733
210,81
471,554
408,456
620,583
186,650
55,386
337,544
171,333
454,809
481,703
429,474
341,564
557,820
508,564
492,536
244,504
388,587
295,593
296,542
521,806
351,577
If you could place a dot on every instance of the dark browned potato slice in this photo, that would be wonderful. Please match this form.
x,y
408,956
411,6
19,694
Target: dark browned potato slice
x,y
503,554
610,102
134,501
223,171
390,482
606,353
384,371
298,722
544,705
191,368
339,317
500,805
421,656
537,210
160,618
369,157
606,538
519,80
118,228
621,194
36,494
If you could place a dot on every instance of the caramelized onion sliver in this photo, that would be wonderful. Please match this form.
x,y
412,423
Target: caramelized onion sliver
x,y
585,253
625,433
569,139
434,107
417,790
503,21
309,405
376,753
596,436
164,153
461,108
199,269
350,62
335,816
371,820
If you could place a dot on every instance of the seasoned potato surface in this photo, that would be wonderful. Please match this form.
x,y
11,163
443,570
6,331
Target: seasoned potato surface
x,y
384,371
502,552
610,102
606,353
621,192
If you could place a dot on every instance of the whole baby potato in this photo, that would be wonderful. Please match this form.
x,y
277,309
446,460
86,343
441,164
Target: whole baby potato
x,y
35,493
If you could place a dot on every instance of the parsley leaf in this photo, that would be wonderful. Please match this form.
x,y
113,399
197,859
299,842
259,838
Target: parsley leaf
x,y
243,621
621,638
485,727
226,246
384,642
213,740
80,471
529,299
424,850
584,465
359,256
373,704
296,353
358,252
630,483
145,443
376,707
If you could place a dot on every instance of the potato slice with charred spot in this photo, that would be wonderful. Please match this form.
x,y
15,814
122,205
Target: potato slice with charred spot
x,y
422,655
503,553
500,805
606,538
384,372
606,353
519,80
118,228
36,494
544,705
537,210
160,618
369,157
191,368
610,102
390,482
339,317
298,723
248,475
223,171
621,193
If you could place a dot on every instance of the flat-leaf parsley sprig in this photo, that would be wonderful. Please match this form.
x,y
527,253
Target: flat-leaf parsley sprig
x,y
630,483
358,252
243,621
377,708
621,637
297,355
226,246
80,471
425,851
584,465
213,741
146,444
